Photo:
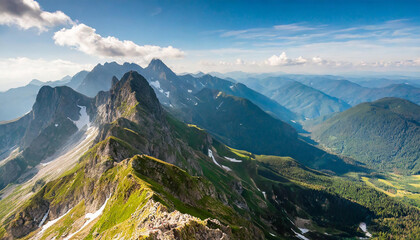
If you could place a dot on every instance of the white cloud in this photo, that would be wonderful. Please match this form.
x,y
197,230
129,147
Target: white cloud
x,y
293,27
20,71
28,14
239,61
85,39
283,60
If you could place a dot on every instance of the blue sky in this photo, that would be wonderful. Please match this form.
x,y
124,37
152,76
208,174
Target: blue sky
x,y
259,36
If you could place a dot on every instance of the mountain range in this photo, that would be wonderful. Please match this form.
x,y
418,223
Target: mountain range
x,y
304,100
146,153
145,174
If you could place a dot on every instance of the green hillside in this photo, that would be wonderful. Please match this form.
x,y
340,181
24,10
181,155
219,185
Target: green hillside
x,y
384,134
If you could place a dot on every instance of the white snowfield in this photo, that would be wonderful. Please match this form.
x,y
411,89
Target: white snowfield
x,y
212,157
155,84
83,118
49,223
300,236
215,162
233,159
89,218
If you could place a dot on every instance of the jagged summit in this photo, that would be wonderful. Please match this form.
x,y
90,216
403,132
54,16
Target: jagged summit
x,y
114,81
100,78
133,92
156,65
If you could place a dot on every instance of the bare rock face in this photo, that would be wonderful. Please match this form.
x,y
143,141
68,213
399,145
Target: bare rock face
x,y
29,219
53,105
126,96
11,133
154,221
41,132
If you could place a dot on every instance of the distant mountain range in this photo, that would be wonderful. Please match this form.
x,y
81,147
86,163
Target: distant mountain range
x,y
384,134
354,94
324,95
306,101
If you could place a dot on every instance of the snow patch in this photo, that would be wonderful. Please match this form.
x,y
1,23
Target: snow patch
x,y
90,217
231,87
189,90
300,236
304,230
265,195
56,125
45,164
212,157
226,168
217,108
196,104
52,222
215,162
83,118
44,218
272,234
167,94
155,84
363,227
293,121
233,159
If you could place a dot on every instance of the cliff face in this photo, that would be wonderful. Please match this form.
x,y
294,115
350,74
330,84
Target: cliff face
x,y
57,114
11,133
55,105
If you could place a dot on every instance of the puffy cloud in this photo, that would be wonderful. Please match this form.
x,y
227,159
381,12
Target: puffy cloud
x,y
19,71
283,60
28,14
85,39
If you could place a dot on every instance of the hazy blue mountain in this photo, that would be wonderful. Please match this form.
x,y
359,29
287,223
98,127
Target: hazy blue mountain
x,y
20,100
306,101
354,93
302,99
75,81
241,90
99,79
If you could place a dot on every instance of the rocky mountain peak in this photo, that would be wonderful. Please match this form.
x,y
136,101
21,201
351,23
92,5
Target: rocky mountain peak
x,y
157,66
114,81
55,105
133,90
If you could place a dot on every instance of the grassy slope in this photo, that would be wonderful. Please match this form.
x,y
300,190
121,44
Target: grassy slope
x,y
384,134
